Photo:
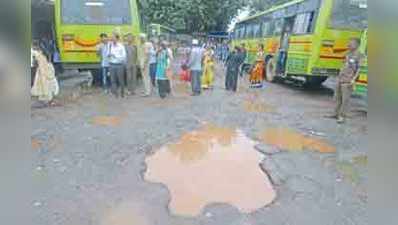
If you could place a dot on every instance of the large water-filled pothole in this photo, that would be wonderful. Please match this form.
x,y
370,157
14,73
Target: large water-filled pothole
x,y
211,165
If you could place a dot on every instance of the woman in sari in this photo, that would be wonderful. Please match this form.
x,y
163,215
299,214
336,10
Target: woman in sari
x,y
161,71
45,85
257,74
208,69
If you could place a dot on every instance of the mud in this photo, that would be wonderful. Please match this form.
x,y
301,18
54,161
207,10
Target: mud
x,y
255,107
211,165
35,144
290,140
112,121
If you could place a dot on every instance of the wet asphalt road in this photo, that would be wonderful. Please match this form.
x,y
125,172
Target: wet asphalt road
x,y
90,157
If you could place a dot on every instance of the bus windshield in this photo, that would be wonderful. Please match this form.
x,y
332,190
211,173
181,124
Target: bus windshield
x,y
349,14
116,12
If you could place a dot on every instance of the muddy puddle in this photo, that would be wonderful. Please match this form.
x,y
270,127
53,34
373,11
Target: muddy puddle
x,y
291,140
211,165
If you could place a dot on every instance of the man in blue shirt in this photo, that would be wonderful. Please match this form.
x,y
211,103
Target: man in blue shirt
x,y
103,52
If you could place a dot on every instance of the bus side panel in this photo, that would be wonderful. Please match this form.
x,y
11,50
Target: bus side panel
x,y
271,45
361,85
252,48
300,52
77,43
333,50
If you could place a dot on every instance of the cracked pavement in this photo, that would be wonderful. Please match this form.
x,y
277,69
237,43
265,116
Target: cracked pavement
x,y
90,157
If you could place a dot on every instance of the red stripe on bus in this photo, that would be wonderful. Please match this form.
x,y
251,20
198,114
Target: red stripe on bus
x,y
300,42
331,57
362,81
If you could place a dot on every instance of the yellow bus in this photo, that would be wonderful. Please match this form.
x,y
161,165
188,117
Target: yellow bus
x,y
79,23
305,39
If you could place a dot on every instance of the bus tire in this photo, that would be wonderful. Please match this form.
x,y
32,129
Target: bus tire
x,y
314,81
270,73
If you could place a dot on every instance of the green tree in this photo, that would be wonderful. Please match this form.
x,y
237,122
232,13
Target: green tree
x,y
199,15
193,15
261,5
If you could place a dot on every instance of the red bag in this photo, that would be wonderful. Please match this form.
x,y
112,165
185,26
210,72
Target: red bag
x,y
185,75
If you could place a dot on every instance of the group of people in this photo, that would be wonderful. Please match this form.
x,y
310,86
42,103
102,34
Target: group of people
x,y
121,62
237,64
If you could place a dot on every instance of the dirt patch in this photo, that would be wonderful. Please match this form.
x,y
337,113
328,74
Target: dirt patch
x,y
112,121
36,144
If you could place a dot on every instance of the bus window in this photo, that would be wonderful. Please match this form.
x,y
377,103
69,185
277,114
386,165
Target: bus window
x,y
238,32
348,14
266,29
278,26
96,12
249,31
256,30
303,23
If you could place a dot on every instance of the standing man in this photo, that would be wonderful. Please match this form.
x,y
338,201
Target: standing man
x,y
152,63
144,56
346,80
103,53
117,60
131,64
233,63
284,48
195,65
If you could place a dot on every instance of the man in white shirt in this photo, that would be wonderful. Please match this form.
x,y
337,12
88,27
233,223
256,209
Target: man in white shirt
x,y
195,65
117,59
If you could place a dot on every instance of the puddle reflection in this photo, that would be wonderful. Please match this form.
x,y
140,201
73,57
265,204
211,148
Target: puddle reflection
x,y
211,165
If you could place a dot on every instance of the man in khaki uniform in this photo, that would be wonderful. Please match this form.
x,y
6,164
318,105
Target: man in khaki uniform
x,y
144,52
131,64
346,80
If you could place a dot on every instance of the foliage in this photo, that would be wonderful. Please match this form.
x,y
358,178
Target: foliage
x,y
261,5
200,15
193,15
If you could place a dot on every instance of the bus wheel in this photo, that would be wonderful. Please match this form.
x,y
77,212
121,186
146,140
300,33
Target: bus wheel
x,y
270,70
314,81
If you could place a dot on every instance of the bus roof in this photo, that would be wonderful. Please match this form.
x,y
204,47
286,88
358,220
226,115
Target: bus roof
x,y
163,26
272,9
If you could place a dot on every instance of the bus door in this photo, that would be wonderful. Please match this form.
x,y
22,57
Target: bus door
x,y
284,45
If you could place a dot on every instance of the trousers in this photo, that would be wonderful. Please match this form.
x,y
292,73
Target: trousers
x,y
343,97
117,79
